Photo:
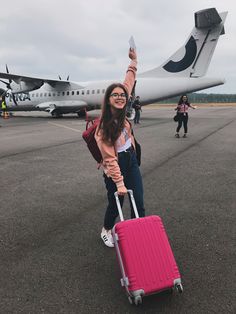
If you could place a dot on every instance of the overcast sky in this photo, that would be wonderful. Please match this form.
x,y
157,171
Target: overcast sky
x,y
88,39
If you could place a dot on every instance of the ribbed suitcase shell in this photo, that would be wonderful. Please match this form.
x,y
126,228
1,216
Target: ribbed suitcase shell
x,y
145,256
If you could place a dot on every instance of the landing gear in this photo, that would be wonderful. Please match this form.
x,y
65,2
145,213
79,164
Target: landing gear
x,y
81,113
57,114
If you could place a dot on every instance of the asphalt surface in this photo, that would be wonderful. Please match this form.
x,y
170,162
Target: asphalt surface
x,y
52,203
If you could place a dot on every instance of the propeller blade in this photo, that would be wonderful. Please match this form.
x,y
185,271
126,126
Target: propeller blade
x,y
7,70
4,94
59,77
7,84
68,77
14,99
4,82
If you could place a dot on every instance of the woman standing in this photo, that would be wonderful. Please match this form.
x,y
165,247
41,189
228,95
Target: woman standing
x,y
116,143
182,111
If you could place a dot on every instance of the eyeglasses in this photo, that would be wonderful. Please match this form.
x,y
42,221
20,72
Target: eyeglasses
x,y
116,95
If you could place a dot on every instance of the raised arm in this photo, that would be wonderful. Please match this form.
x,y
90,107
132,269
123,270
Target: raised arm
x,y
131,72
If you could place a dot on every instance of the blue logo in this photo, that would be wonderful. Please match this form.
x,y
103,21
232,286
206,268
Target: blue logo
x,y
190,54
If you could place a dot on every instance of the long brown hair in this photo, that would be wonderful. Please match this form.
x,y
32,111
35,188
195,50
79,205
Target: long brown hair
x,y
112,124
181,100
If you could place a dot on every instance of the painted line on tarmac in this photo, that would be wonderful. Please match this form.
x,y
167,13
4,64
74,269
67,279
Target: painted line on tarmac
x,y
66,127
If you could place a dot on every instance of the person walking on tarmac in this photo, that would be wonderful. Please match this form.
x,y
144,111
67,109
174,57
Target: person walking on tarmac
x,y
182,111
117,145
137,108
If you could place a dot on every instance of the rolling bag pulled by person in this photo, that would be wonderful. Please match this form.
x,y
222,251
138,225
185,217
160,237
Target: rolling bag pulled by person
x,y
145,257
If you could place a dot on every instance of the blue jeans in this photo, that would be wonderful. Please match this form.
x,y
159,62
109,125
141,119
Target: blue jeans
x,y
133,181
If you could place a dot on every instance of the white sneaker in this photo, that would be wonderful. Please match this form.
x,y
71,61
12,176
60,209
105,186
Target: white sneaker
x,y
107,237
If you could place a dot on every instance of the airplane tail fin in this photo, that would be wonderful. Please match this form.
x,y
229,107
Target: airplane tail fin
x,y
193,58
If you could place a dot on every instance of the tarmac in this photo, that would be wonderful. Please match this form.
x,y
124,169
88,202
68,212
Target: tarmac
x,y
52,204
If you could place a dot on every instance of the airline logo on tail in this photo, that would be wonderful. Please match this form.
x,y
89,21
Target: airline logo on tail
x,y
193,58
187,60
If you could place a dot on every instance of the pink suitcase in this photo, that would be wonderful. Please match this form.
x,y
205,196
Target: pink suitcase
x,y
146,260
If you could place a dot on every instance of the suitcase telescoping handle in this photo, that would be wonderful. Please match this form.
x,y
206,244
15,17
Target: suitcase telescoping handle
x,y
132,201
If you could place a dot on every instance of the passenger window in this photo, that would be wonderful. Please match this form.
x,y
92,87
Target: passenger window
x,y
93,91
77,92
63,93
98,91
68,93
87,92
72,93
82,92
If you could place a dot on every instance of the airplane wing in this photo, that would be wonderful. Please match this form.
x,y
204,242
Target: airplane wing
x,y
28,83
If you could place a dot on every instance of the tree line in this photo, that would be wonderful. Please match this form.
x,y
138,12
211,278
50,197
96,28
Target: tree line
x,y
203,98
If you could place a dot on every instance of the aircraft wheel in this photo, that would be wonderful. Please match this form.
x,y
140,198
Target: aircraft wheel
x,y
81,113
57,115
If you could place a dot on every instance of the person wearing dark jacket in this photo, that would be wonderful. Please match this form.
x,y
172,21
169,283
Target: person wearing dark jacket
x,y
137,108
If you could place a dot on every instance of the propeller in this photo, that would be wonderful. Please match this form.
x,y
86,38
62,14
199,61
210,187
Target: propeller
x,y
8,85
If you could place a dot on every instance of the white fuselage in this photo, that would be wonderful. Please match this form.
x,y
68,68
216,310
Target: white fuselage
x,y
91,96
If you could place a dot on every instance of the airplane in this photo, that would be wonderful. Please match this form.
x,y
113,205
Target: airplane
x,y
182,73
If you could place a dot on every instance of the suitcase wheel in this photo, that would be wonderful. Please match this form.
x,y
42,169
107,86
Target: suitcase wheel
x,y
179,288
130,300
138,300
